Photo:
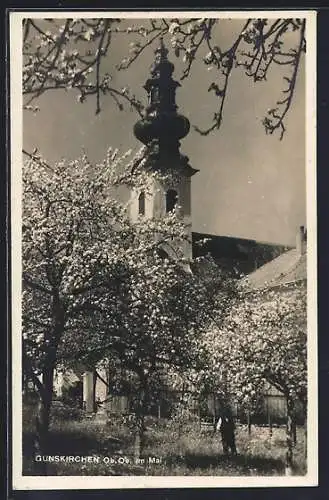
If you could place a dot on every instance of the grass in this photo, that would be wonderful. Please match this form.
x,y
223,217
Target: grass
x,y
167,451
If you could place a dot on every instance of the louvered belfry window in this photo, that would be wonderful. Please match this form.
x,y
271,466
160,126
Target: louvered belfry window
x,y
141,203
171,200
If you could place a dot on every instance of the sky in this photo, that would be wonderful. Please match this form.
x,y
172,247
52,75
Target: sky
x,y
249,184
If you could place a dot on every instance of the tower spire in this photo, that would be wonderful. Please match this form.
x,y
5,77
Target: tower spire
x,y
162,51
162,128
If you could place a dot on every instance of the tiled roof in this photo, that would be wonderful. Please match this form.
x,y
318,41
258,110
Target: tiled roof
x,y
289,267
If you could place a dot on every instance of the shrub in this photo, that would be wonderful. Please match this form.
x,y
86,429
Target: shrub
x,y
183,420
60,411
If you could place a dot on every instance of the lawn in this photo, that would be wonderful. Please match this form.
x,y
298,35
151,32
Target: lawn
x,y
169,450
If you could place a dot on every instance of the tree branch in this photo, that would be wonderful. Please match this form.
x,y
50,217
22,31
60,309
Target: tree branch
x,y
35,286
229,55
277,120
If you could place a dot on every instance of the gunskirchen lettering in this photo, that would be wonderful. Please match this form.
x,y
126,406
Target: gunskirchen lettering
x,y
67,459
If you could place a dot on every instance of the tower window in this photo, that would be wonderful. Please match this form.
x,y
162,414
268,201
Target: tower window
x,y
171,200
141,203
162,253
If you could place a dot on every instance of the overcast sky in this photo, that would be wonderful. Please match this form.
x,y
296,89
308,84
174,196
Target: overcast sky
x,y
250,185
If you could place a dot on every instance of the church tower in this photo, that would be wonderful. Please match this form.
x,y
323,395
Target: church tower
x,y
161,130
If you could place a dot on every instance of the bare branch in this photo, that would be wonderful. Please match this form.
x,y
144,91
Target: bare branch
x,y
227,62
276,122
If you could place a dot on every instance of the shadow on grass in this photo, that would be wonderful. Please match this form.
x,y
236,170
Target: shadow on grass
x,y
242,464
73,443
76,443
64,443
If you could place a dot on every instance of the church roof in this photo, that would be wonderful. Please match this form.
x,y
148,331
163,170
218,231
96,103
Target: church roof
x,y
289,267
239,255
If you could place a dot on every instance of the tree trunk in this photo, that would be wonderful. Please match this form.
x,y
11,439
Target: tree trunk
x,y
294,431
139,435
249,422
45,387
140,421
42,420
290,436
95,405
305,431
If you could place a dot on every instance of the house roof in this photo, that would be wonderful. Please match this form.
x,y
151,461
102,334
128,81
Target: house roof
x,y
289,267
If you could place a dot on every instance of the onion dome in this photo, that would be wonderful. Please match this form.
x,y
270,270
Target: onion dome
x,y
162,127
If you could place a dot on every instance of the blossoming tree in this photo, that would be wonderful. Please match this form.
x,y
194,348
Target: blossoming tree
x,y
263,340
97,285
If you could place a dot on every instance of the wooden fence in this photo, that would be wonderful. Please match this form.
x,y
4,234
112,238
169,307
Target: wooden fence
x,y
272,408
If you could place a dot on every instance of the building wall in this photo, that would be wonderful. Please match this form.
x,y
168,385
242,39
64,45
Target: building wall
x,y
155,207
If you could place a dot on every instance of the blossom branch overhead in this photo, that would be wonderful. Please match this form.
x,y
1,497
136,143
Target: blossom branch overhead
x,y
75,53
70,56
259,47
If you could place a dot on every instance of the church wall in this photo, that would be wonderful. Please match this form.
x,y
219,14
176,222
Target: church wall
x,y
185,196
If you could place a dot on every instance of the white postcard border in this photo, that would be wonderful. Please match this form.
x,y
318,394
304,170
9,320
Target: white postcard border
x,y
21,482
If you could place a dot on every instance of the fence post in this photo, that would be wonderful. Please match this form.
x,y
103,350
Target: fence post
x,y
215,417
199,413
159,411
269,419
289,436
